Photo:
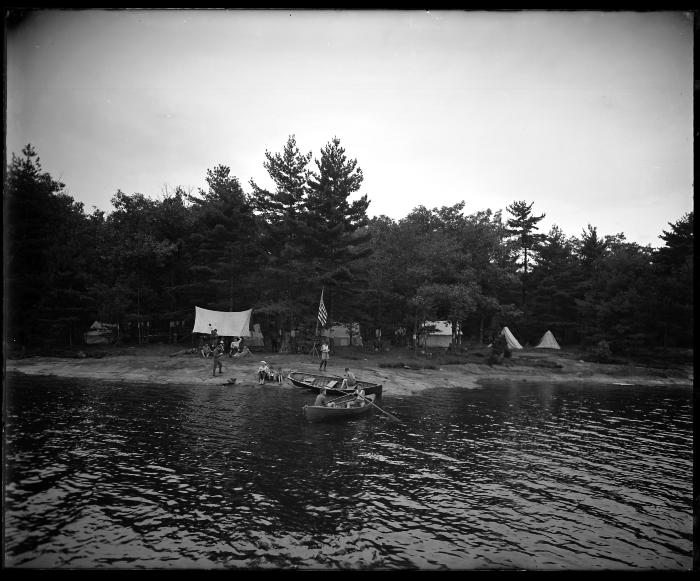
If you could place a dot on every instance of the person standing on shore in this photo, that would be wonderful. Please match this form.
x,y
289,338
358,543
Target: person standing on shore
x,y
217,354
325,356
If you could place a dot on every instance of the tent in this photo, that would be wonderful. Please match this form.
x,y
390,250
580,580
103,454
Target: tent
x,y
341,336
227,324
510,339
548,342
100,333
441,337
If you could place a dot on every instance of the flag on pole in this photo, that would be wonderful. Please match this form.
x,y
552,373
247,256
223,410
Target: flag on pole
x,y
322,314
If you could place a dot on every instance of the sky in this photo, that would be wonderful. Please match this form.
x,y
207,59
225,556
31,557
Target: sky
x,y
588,115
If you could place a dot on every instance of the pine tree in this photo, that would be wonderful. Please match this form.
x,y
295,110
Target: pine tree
x,y
46,254
225,254
282,226
337,234
523,226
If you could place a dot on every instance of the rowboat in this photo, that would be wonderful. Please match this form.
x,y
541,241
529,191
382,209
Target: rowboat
x,y
320,413
317,381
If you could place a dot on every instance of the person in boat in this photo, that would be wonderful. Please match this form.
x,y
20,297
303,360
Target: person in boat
x,y
325,355
358,401
263,372
321,398
349,379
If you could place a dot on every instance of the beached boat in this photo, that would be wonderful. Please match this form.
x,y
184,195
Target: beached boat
x,y
319,413
317,381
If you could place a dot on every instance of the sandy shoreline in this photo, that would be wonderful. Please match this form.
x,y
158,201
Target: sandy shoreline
x,y
159,365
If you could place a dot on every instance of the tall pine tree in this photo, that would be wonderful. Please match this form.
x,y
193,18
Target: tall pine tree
x,y
522,227
282,226
337,234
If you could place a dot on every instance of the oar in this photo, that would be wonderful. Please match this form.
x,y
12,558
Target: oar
x,y
381,410
341,397
374,404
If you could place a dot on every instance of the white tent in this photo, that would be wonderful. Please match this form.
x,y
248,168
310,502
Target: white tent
x,y
510,339
227,324
341,335
548,342
100,333
441,337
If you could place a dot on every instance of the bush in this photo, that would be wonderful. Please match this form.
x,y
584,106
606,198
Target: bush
x,y
600,353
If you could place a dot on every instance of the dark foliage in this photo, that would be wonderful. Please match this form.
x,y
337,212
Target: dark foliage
x,y
147,264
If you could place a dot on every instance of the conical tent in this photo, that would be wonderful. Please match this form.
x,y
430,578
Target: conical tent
x,y
510,339
548,342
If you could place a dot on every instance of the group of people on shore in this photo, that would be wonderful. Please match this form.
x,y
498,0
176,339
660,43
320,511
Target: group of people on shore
x,y
266,373
235,347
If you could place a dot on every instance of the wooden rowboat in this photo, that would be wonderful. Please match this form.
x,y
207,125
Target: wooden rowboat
x,y
317,381
316,413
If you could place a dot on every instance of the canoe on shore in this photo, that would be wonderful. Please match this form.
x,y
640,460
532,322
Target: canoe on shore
x,y
317,381
316,413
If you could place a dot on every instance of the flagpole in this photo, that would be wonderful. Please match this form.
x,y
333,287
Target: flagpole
x,y
314,350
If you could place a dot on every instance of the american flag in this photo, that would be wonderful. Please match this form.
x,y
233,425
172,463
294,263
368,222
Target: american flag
x,y
322,314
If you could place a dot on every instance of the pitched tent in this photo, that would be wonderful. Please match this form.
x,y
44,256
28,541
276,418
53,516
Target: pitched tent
x,y
510,339
548,342
227,324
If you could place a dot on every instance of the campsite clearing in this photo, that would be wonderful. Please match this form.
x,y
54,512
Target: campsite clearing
x,y
399,370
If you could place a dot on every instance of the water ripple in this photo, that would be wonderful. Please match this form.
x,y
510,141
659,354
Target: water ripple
x,y
534,477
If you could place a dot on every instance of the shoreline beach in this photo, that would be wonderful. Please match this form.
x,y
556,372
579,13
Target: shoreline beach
x,y
163,364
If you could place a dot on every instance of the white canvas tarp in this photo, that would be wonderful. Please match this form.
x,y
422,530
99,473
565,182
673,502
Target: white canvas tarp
x,y
548,342
510,339
227,324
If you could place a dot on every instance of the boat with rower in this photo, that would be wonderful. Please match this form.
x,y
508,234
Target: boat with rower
x,y
318,381
338,409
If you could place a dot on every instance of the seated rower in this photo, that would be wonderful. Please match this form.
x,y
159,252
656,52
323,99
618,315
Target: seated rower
x,y
321,398
359,399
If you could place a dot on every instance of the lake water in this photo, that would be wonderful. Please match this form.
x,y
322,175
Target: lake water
x,y
512,476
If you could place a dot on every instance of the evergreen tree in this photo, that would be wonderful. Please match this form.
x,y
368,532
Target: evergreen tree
x,y
141,260
223,249
46,254
522,227
674,283
282,227
555,281
337,236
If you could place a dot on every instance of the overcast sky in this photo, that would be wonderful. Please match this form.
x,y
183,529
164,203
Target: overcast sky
x,y
586,114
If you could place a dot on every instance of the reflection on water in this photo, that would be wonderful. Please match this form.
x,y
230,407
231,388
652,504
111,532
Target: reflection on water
x,y
511,476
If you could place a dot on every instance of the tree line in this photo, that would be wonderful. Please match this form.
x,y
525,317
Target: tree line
x,y
148,262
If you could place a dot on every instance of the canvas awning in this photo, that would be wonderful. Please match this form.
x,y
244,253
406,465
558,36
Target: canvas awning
x,y
227,324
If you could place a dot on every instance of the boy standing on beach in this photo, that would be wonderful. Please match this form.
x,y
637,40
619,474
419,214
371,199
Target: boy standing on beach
x,y
218,352
325,355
